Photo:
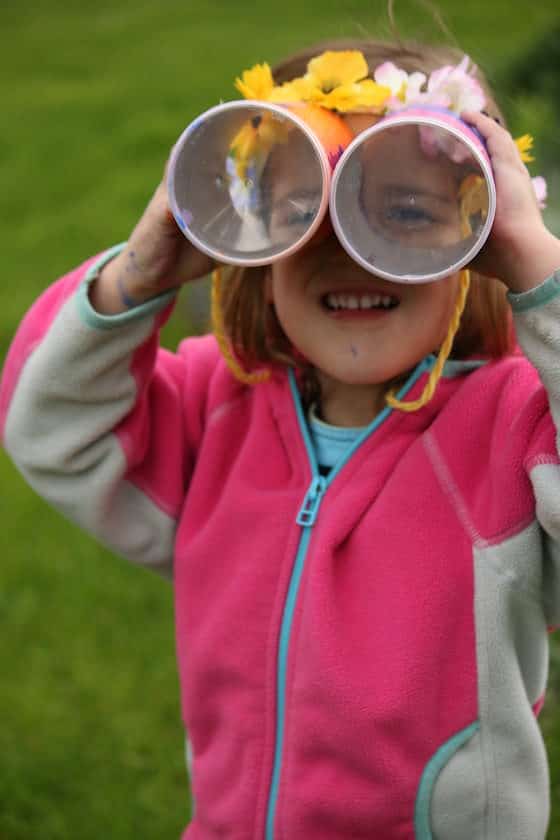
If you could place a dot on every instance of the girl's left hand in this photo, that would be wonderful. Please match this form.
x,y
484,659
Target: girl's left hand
x,y
520,250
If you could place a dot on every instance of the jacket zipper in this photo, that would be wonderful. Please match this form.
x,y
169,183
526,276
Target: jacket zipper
x,y
306,519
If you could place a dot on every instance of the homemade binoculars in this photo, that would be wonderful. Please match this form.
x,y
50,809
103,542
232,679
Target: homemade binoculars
x,y
411,198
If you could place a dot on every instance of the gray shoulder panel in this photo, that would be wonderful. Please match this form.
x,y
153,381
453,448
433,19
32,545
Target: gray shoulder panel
x,y
74,389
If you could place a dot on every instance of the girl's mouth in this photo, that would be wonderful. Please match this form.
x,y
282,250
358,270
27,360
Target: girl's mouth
x,y
358,302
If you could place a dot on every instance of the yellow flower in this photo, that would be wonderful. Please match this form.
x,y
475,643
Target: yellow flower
x,y
333,69
299,90
254,141
256,83
366,95
525,144
473,201
243,147
335,80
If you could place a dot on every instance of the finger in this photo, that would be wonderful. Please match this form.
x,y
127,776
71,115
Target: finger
x,y
485,124
158,209
499,142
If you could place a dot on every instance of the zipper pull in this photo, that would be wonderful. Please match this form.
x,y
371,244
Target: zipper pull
x,y
310,507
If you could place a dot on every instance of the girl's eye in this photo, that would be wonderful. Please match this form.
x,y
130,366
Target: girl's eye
x,y
410,218
294,219
300,217
295,211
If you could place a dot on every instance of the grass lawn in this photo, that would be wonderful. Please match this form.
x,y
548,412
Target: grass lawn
x,y
93,97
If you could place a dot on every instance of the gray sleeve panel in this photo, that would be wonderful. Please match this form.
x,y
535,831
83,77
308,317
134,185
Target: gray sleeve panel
x,y
538,331
546,484
73,391
496,784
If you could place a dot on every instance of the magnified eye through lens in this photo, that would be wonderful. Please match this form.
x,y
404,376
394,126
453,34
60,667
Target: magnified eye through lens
x,y
402,212
408,197
295,211
406,216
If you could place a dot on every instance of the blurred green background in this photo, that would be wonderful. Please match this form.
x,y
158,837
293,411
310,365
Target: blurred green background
x,y
93,97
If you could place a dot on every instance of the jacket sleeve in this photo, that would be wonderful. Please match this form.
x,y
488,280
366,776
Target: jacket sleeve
x,y
92,415
537,324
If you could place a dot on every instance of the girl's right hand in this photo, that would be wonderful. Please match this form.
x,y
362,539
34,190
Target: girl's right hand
x,y
157,257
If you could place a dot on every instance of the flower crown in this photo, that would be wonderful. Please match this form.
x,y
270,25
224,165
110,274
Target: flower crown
x,y
338,81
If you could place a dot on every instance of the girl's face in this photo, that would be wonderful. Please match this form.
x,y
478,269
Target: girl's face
x,y
352,326
355,328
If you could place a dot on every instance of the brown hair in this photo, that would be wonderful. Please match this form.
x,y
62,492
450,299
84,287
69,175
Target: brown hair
x,y
249,320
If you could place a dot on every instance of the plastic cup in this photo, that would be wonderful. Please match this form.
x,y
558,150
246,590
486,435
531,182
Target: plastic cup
x,y
248,182
413,197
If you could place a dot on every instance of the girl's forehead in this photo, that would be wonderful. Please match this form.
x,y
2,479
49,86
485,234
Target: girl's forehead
x,y
359,122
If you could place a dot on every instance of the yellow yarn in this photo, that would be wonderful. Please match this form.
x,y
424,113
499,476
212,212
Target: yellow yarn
x,y
218,327
444,352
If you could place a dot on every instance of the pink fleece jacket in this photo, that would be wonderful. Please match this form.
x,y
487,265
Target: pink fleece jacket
x,y
360,656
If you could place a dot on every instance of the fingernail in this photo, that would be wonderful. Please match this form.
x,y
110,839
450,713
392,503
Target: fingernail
x,y
496,119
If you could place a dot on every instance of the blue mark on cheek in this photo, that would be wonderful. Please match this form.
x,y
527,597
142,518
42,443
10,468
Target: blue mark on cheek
x,y
354,351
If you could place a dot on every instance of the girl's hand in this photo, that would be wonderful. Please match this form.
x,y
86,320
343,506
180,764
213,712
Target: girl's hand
x,y
157,257
520,250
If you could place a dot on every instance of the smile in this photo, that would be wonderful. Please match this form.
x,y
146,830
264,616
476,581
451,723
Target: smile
x,y
345,301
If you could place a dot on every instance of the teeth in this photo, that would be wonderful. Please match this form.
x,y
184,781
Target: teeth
x,y
343,301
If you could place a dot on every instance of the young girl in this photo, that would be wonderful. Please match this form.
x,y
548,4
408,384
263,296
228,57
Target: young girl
x,y
363,591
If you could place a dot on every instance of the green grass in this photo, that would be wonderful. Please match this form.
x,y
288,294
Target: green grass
x,y
93,96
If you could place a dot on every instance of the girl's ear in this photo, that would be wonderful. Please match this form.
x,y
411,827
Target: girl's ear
x,y
268,296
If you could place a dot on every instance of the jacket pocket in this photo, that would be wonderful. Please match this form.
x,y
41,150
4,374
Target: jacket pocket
x,y
451,796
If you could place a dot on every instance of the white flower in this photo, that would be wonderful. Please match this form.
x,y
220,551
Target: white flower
x,y
454,88
389,75
405,88
413,86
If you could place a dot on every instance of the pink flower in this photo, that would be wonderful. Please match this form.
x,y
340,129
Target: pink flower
x,y
452,87
541,192
434,140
